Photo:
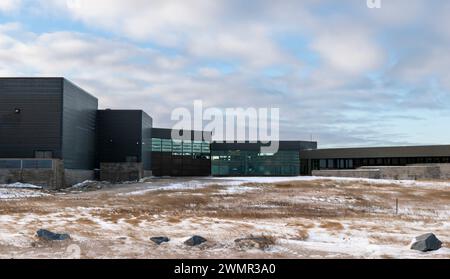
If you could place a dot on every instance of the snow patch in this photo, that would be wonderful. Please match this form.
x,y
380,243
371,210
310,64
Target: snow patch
x,y
15,194
264,180
19,185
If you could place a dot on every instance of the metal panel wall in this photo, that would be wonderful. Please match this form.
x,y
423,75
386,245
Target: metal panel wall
x,y
147,124
36,126
283,146
78,127
120,135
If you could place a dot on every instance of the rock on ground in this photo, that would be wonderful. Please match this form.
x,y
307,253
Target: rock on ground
x,y
50,236
426,242
195,240
159,240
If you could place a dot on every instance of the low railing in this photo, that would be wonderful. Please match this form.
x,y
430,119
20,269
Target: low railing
x,y
26,164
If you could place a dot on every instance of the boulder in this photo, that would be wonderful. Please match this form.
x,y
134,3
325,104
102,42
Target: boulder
x,y
426,242
195,240
50,236
160,239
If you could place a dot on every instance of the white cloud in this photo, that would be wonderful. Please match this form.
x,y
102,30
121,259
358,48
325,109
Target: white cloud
x,y
142,19
325,56
349,50
10,5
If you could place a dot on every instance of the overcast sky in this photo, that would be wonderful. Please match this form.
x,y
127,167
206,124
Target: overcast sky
x,y
347,74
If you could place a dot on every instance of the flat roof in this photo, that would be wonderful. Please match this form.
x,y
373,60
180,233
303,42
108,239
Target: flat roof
x,y
166,133
378,152
254,146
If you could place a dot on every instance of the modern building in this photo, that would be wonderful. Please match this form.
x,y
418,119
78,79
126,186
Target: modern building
x,y
190,156
246,159
48,124
406,162
124,140
52,134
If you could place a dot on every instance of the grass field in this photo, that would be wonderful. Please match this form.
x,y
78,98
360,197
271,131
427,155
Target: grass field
x,y
300,218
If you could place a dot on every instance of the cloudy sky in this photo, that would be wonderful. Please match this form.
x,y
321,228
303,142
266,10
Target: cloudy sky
x,y
339,71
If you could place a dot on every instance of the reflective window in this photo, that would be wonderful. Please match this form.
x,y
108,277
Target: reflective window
x,y
156,145
166,145
197,147
187,147
283,163
177,147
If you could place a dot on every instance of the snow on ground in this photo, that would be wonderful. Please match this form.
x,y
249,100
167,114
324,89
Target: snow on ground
x,y
18,190
406,183
16,194
19,185
177,186
327,218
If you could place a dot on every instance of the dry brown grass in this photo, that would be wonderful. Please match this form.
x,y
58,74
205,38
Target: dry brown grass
x,y
302,235
304,225
174,219
86,221
388,240
332,226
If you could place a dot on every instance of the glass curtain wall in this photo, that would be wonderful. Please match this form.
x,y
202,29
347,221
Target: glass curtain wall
x,y
253,163
184,148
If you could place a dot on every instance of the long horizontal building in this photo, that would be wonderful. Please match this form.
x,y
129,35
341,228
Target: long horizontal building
x,y
52,134
353,158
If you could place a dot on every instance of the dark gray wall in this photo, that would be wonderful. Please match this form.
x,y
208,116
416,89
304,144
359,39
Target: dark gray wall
x,y
121,134
283,146
147,124
78,127
164,133
38,125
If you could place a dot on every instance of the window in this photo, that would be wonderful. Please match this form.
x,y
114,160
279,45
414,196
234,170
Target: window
x,y
206,148
156,145
166,145
37,164
197,147
177,147
187,147
43,154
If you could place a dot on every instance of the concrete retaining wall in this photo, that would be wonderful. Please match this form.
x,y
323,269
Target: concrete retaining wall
x,y
121,172
148,173
72,177
411,172
47,178
357,173
445,171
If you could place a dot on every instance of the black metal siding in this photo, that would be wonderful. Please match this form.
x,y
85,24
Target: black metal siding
x,y
283,146
79,127
38,125
119,135
163,133
147,124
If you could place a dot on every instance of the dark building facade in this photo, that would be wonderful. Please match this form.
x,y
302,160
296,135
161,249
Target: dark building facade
x,y
124,143
175,157
246,159
354,158
48,118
